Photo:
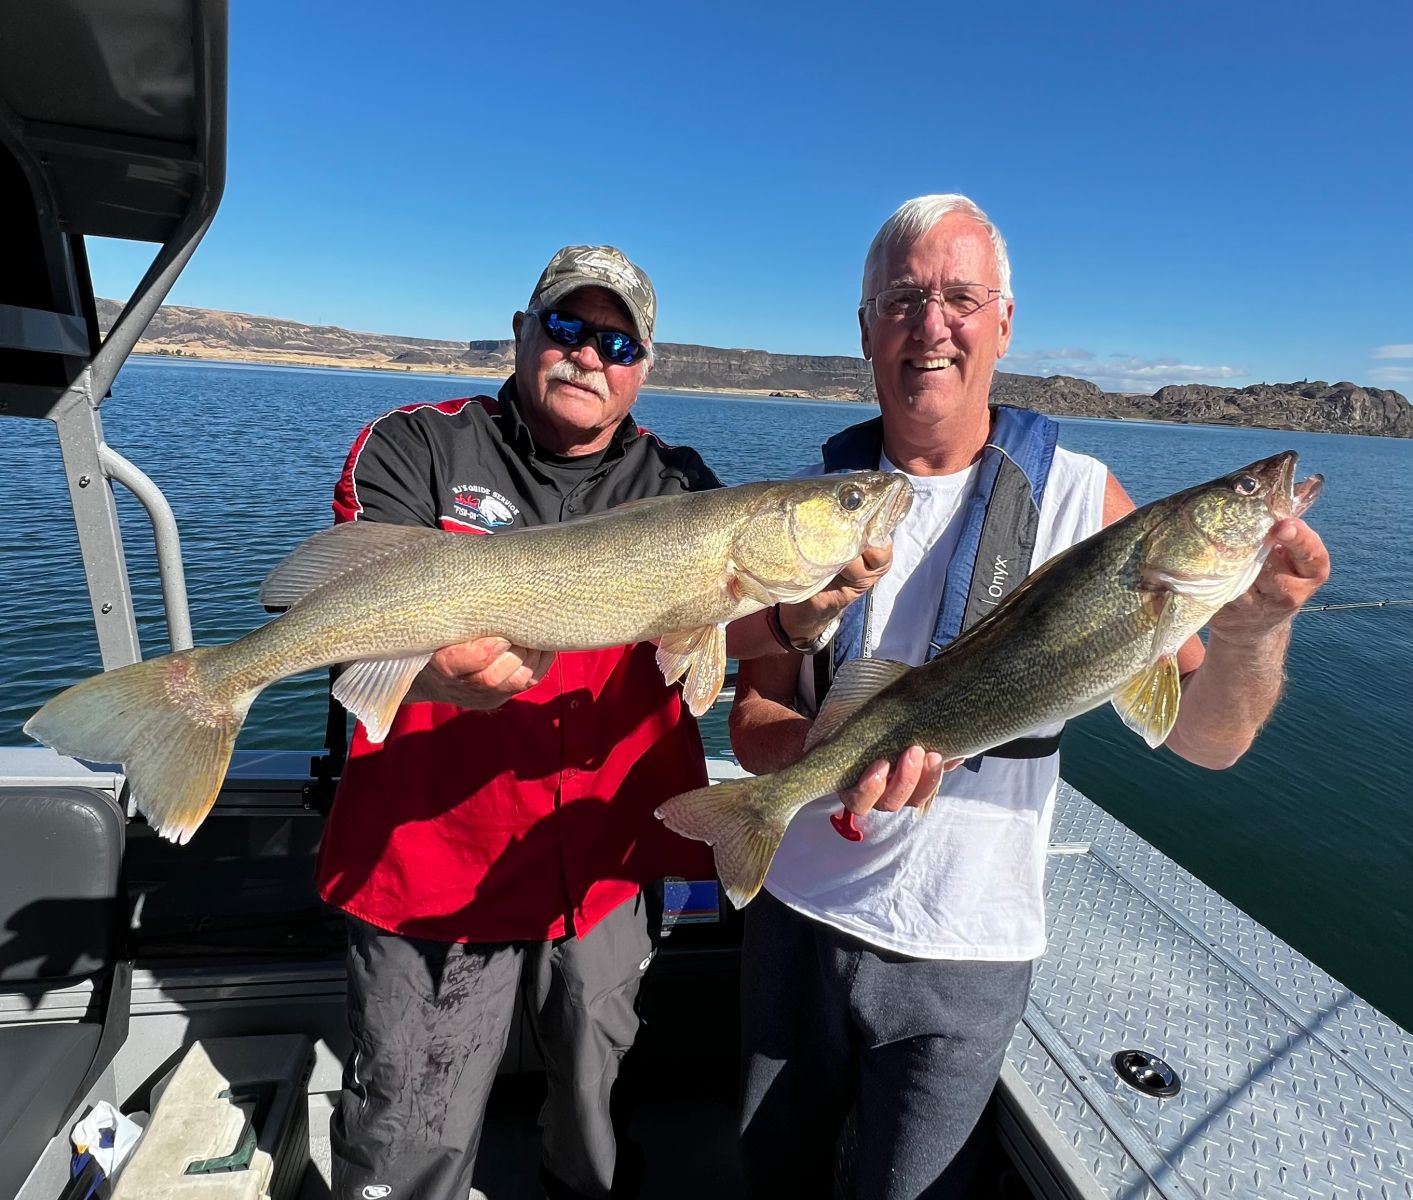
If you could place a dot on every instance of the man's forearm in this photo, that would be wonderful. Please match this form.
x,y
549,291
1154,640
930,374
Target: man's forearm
x,y
767,735
752,637
1229,697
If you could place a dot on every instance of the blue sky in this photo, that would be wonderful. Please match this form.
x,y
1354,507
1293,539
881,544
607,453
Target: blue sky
x,y
1217,192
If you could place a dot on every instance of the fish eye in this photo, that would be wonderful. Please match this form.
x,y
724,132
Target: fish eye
x,y
851,498
1247,485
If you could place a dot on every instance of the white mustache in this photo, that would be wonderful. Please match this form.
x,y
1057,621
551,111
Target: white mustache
x,y
566,371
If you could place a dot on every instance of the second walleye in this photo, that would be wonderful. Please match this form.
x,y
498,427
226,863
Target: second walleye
x,y
1101,621
386,597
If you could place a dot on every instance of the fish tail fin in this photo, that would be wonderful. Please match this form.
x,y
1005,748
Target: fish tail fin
x,y
734,820
172,730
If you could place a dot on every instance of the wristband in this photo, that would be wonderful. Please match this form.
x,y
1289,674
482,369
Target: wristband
x,y
826,635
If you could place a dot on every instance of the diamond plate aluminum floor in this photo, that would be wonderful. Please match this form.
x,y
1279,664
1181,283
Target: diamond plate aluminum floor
x,y
1292,1086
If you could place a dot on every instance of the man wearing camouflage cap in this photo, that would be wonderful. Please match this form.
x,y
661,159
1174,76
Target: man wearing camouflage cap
x,y
502,835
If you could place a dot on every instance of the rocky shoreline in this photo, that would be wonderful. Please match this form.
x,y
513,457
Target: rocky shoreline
x,y
1310,405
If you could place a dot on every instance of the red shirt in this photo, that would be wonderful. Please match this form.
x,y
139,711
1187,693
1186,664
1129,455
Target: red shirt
x,y
534,820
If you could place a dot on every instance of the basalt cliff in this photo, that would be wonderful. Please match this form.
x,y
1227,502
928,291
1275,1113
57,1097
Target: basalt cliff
x,y
1315,406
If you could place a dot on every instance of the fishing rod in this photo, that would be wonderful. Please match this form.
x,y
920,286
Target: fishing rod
x,y
1309,608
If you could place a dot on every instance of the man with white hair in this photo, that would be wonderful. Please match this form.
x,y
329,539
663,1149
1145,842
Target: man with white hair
x,y
883,973
502,836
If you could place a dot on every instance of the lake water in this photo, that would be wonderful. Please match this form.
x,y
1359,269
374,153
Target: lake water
x,y
1312,832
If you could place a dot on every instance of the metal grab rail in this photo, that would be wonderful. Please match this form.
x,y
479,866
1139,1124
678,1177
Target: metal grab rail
x,y
165,537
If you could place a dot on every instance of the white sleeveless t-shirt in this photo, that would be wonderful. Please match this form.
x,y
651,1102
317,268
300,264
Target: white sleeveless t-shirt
x,y
965,879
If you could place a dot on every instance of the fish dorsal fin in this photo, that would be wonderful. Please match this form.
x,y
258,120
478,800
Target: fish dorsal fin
x,y
337,551
618,510
700,655
644,502
372,690
1148,703
859,681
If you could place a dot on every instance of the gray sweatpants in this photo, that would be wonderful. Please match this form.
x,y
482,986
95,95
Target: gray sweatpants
x,y
898,1054
430,1021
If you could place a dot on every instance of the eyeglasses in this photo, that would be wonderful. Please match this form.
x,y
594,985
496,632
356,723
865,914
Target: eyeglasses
x,y
905,303
613,345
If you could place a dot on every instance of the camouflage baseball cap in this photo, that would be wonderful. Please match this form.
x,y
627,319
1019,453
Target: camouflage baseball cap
x,y
608,267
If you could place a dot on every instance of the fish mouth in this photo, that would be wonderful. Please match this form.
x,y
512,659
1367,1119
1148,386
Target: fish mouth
x,y
892,507
1284,496
1304,494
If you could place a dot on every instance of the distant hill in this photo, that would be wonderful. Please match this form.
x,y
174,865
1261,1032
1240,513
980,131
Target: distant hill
x,y
1314,406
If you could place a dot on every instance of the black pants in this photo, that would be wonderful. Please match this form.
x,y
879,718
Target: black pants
x,y
897,1054
430,1021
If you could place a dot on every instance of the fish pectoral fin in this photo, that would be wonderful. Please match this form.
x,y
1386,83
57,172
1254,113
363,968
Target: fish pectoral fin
x,y
337,551
925,805
1211,591
372,690
1163,629
1148,703
859,680
700,655
746,586
948,765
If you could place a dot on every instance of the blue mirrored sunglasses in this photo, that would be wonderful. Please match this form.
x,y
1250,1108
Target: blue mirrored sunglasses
x,y
613,345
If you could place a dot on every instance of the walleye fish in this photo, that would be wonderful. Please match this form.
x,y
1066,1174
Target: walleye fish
x,y
386,597
1101,621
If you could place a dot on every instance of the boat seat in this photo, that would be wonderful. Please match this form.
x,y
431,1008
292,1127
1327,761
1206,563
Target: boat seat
x,y
62,916
42,1066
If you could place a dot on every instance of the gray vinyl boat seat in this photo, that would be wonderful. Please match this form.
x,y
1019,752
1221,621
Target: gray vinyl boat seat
x,y
62,914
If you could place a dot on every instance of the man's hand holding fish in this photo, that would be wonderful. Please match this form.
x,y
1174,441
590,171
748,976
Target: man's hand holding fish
x,y
1227,699
480,675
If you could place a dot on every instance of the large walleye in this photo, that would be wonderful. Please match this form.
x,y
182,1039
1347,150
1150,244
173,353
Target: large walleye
x,y
386,597
1101,621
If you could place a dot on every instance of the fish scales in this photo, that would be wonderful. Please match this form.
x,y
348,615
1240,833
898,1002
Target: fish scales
x,y
525,588
1079,635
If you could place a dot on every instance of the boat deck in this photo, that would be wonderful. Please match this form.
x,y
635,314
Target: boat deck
x,y
1289,1084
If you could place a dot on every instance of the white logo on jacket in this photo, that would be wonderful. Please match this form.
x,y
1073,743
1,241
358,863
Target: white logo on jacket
x,y
482,507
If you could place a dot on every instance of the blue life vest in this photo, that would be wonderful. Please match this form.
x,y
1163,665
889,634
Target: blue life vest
x,y
993,554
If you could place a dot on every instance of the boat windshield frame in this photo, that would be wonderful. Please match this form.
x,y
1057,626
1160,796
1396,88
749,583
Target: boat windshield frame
x,y
113,121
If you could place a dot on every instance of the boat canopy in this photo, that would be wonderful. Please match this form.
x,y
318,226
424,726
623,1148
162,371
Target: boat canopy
x,y
112,124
